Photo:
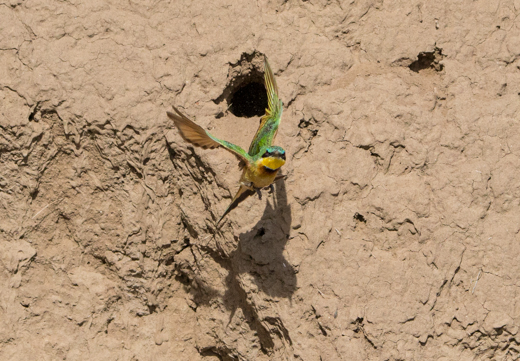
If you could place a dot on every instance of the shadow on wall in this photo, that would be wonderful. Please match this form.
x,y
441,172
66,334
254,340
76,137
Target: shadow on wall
x,y
260,251
256,269
257,265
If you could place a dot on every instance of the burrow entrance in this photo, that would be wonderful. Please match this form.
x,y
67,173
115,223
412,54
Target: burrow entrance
x,y
428,60
245,92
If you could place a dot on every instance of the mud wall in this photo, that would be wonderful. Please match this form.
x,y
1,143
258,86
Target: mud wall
x,y
394,237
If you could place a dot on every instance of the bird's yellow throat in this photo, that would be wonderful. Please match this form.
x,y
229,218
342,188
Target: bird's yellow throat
x,y
272,162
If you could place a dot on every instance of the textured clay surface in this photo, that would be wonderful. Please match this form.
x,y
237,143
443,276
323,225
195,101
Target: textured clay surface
x,y
395,235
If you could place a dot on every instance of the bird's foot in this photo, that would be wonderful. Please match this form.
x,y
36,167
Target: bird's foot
x,y
248,185
259,192
271,188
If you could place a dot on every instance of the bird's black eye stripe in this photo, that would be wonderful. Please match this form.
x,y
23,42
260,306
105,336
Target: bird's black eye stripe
x,y
266,154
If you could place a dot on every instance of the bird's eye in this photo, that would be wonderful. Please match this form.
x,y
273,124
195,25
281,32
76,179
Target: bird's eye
x,y
266,154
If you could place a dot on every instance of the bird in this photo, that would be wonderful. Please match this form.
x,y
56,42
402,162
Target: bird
x,y
262,161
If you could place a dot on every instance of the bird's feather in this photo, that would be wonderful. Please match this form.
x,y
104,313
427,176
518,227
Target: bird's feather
x,y
196,135
242,194
269,123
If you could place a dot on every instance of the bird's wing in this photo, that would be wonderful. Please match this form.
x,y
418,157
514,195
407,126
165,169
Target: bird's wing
x,y
242,194
269,123
198,136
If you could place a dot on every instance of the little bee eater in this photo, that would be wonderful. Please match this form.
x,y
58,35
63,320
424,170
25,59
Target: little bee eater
x,y
263,160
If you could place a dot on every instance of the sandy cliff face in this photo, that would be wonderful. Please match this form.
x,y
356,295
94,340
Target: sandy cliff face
x,y
394,237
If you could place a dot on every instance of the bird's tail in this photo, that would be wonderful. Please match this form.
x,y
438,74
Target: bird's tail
x,y
242,194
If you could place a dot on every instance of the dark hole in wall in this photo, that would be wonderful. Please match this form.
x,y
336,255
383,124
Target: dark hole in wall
x,y
248,100
245,92
428,60
260,232
360,218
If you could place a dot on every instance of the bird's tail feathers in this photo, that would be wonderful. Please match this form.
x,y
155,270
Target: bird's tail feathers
x,y
242,194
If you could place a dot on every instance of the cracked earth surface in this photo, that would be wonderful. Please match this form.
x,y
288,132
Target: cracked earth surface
x,y
395,235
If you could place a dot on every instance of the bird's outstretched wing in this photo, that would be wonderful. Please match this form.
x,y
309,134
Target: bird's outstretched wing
x,y
269,123
196,135
242,194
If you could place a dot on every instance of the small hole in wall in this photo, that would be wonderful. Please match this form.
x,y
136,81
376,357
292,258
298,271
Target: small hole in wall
x,y
260,232
249,100
245,92
428,60
360,218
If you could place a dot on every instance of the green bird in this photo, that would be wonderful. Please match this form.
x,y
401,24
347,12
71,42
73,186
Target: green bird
x,y
263,160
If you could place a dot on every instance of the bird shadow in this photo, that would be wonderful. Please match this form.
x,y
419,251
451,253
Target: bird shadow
x,y
257,266
258,258
260,250
259,253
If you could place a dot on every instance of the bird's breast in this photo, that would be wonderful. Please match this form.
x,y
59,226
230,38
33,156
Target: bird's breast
x,y
263,172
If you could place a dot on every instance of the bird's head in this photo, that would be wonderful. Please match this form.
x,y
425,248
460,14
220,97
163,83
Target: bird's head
x,y
273,158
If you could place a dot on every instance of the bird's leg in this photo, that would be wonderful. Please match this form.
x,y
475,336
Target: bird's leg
x,y
271,188
248,185
259,192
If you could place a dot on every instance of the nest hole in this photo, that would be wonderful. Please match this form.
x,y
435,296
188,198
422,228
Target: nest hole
x,y
249,100
428,60
245,93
